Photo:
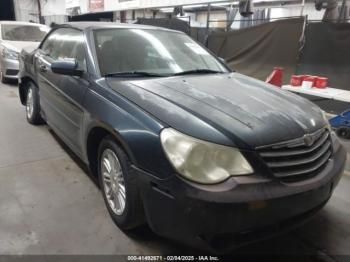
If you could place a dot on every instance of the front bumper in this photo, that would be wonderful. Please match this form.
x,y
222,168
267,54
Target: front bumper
x,y
239,211
9,68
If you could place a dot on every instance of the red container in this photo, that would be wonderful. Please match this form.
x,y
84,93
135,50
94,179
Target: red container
x,y
296,80
275,78
310,79
303,77
321,82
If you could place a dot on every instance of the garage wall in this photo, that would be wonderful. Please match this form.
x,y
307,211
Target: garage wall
x,y
58,19
26,10
135,4
84,6
52,11
289,11
201,17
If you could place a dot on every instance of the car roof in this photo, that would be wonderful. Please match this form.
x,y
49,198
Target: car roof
x,y
102,25
19,23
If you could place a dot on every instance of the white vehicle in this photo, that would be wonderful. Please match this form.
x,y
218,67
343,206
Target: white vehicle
x,y
14,36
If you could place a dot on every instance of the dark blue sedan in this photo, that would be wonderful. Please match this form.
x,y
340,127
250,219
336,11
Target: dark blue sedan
x,y
202,154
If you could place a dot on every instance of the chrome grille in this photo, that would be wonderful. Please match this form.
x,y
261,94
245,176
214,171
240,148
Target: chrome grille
x,y
298,158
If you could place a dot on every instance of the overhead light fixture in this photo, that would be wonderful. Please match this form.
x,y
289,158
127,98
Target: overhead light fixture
x,y
225,3
213,4
167,10
193,6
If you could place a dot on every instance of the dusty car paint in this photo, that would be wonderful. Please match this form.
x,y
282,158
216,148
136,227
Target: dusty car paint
x,y
228,109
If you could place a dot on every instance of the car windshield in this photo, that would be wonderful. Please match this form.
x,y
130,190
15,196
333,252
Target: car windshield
x,y
150,52
26,33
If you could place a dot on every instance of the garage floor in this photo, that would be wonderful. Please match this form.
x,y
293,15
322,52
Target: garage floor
x,y
49,205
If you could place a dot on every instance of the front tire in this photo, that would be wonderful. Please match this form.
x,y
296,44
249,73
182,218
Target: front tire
x,y
33,105
118,182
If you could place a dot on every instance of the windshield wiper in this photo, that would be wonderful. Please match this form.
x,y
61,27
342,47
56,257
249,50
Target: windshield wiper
x,y
198,71
133,74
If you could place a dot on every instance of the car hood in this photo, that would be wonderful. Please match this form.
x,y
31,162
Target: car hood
x,y
230,109
19,45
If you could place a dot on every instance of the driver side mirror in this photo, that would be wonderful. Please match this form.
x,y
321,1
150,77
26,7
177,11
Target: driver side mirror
x,y
66,67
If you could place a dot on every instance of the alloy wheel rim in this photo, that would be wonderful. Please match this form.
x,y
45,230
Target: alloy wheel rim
x,y
30,103
113,181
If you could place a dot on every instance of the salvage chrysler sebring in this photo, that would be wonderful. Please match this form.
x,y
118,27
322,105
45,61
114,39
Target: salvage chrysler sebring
x,y
202,154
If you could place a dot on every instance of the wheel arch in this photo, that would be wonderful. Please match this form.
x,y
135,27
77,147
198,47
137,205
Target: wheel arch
x,y
94,137
23,86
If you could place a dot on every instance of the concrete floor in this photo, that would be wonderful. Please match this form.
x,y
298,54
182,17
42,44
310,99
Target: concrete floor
x,y
49,205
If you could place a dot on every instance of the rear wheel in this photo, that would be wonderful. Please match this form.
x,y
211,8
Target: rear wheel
x,y
118,183
33,105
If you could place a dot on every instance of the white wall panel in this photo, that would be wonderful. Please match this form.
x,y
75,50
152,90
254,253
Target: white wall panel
x,y
135,4
26,10
53,7
84,6
214,15
72,3
288,11
58,19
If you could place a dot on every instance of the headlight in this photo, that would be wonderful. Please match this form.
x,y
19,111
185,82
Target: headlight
x,y
201,161
10,54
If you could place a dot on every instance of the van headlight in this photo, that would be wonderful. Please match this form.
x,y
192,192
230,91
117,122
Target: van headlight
x,y
202,161
10,54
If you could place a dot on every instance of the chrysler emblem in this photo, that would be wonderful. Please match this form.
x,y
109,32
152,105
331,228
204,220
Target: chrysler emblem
x,y
308,140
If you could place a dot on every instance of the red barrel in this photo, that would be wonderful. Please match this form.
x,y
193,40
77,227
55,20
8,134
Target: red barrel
x,y
303,77
321,82
296,80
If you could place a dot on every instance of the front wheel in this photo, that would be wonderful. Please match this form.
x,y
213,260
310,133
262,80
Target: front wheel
x,y
33,105
118,182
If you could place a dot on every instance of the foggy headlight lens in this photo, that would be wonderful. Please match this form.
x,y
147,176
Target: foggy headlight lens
x,y
9,54
201,161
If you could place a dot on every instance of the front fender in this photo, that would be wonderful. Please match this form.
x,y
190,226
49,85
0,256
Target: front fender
x,y
137,131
